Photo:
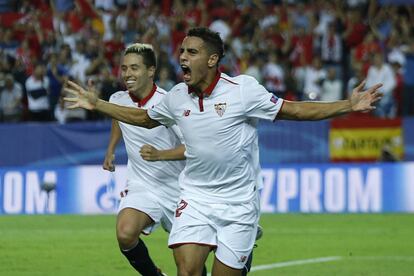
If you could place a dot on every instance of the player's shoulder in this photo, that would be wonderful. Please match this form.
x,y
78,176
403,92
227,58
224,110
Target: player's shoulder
x,y
118,96
160,90
226,79
179,88
245,79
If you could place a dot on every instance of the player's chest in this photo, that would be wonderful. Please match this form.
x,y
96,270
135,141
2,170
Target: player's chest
x,y
207,114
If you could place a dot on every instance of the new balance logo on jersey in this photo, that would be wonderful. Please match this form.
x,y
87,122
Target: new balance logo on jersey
x,y
186,112
273,99
220,108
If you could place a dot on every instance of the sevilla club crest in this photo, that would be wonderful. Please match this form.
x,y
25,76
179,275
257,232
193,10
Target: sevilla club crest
x,y
220,108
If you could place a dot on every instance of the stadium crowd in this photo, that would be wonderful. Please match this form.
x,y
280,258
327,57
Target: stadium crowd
x,y
298,49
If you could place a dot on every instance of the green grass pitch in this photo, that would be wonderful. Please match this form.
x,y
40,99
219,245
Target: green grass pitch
x,y
360,244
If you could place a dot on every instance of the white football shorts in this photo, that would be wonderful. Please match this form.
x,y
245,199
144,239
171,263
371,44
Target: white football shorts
x,y
160,210
230,229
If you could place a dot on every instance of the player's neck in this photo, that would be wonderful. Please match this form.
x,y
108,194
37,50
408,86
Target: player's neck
x,y
206,82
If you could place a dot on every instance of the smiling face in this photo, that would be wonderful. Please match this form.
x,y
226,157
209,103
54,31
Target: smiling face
x,y
198,64
137,77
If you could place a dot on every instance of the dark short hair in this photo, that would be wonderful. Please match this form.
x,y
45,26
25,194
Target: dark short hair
x,y
144,50
213,40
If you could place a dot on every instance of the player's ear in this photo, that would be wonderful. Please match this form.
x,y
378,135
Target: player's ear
x,y
213,60
151,71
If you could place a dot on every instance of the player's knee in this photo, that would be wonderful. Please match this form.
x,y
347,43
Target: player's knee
x,y
188,269
126,238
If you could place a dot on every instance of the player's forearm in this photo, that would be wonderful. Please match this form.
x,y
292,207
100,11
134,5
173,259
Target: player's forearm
x,y
312,111
133,116
114,138
172,154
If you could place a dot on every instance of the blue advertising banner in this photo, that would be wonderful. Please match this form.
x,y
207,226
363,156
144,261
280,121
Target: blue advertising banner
x,y
84,143
312,188
339,188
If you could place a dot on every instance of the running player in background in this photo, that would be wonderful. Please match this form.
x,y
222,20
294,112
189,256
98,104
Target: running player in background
x,y
218,202
152,189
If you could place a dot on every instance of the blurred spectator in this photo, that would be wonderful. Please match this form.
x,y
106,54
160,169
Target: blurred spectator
x,y
331,87
254,68
314,77
89,35
395,49
366,49
327,17
300,16
63,5
37,89
331,49
11,100
57,75
164,80
357,78
398,90
408,76
106,83
64,115
274,76
27,56
381,72
7,43
222,27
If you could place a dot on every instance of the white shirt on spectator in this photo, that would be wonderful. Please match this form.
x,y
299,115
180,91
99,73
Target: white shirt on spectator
x,y
221,27
312,87
331,90
37,103
10,99
384,75
274,77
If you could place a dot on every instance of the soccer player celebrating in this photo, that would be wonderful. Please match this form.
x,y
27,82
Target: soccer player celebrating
x,y
152,188
218,203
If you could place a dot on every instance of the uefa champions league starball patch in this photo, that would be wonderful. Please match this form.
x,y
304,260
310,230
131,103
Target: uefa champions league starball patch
x,y
273,99
220,108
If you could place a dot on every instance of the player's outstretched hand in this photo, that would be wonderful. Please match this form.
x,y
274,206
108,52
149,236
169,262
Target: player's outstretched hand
x,y
79,97
364,100
149,153
108,163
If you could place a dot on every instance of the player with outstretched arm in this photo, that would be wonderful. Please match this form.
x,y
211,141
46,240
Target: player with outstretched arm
x,y
218,202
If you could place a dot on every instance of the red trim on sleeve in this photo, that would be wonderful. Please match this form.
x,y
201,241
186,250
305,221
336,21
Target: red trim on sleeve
x,y
232,82
280,109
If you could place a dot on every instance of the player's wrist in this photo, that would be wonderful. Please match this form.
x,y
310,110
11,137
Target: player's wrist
x,y
98,104
350,107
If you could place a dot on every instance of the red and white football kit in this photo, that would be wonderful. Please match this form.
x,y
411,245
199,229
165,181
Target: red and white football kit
x,y
218,204
152,186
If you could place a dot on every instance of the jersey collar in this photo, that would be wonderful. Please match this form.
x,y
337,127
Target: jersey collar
x,y
210,88
142,102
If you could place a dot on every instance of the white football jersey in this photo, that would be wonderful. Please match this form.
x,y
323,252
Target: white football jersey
x,y
220,135
160,177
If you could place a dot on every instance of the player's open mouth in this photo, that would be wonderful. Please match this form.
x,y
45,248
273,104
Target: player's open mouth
x,y
186,72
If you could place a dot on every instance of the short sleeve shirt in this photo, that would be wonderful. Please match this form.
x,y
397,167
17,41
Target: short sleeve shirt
x,y
220,134
160,177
